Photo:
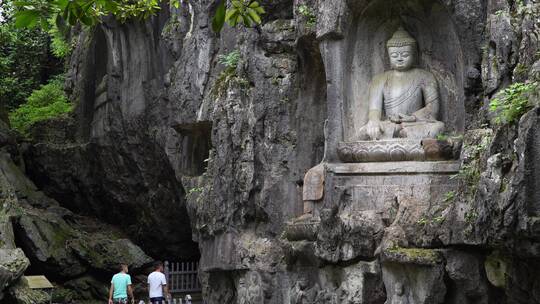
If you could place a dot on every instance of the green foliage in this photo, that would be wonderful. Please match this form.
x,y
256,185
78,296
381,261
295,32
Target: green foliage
x,y
449,136
59,46
24,62
442,137
219,17
521,70
499,13
170,26
470,170
228,76
30,13
246,12
471,216
510,104
230,60
195,190
449,196
470,174
129,9
47,102
307,12
423,221
416,253
438,219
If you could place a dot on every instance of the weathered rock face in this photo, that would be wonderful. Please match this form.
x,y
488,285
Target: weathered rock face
x,y
164,131
52,240
111,164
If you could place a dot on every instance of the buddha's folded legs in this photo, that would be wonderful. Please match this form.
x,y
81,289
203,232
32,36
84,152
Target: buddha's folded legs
x,y
421,129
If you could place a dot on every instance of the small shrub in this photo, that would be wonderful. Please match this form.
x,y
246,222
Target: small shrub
x,y
230,60
44,103
422,221
442,137
470,171
449,196
471,216
228,76
438,219
510,104
307,12
470,174
195,190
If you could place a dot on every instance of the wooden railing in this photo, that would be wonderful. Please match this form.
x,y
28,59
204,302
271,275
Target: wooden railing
x,y
182,277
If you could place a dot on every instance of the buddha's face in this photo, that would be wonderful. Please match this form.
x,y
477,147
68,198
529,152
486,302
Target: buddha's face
x,y
401,57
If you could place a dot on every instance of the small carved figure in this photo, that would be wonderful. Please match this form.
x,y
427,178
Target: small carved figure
x,y
242,291
399,296
298,294
254,291
313,187
301,294
403,102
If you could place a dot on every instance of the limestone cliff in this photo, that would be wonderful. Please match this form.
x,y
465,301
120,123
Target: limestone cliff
x,y
189,158
39,237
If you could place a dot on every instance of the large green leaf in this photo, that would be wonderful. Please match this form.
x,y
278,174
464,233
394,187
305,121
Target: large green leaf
x,y
237,3
231,16
61,4
254,4
254,16
26,18
247,20
219,18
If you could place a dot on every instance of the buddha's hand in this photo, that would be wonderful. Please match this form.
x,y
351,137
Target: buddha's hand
x,y
373,129
399,118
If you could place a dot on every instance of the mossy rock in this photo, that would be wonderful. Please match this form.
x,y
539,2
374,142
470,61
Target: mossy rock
x,y
63,295
86,288
13,263
496,269
420,256
22,294
105,254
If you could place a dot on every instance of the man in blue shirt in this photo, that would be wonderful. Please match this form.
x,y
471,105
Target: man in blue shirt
x,y
120,287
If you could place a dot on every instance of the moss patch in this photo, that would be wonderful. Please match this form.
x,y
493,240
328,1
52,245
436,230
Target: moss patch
x,y
413,255
496,269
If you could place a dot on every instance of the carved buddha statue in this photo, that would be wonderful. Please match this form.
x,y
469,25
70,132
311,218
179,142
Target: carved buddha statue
x,y
403,102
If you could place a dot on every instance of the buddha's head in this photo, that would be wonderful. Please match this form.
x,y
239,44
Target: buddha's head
x,y
401,50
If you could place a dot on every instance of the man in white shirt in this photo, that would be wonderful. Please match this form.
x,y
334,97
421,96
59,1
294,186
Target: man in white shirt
x,y
157,285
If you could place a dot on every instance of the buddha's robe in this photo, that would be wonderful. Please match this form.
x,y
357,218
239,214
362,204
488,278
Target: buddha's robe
x,y
406,93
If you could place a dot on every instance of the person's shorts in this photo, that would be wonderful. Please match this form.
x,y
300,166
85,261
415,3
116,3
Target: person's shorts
x,y
120,301
158,300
